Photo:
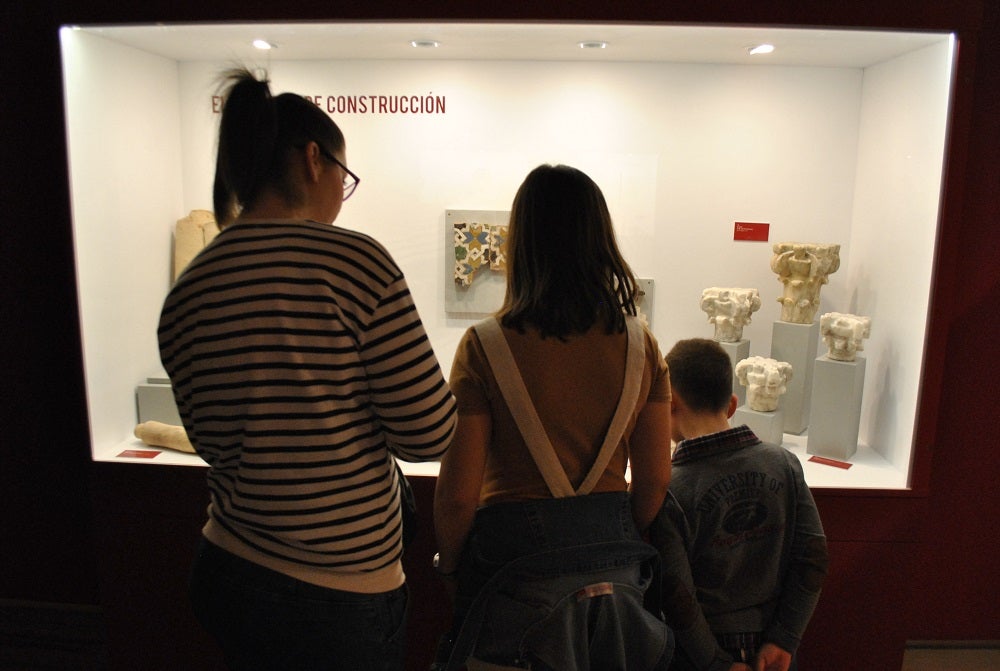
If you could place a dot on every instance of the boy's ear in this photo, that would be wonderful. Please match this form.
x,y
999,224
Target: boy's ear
x,y
676,402
733,403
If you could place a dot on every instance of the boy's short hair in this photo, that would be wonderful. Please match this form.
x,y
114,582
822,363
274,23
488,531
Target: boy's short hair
x,y
701,373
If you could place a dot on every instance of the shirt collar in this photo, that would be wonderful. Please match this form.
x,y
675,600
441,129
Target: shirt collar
x,y
711,444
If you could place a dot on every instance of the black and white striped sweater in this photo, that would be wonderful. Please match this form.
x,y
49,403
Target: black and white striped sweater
x,y
300,366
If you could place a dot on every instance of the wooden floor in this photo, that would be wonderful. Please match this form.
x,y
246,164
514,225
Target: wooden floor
x,y
951,658
52,637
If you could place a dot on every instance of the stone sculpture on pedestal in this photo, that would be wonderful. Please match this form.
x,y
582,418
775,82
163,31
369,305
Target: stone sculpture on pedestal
x,y
803,269
729,310
844,334
765,380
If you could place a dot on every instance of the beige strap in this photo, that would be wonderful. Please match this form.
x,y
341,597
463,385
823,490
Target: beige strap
x,y
515,394
635,362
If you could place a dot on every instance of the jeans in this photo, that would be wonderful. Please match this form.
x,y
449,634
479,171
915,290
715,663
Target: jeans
x,y
265,620
506,531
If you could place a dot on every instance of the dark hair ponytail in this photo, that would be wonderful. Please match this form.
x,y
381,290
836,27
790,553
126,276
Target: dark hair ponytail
x,y
257,134
248,133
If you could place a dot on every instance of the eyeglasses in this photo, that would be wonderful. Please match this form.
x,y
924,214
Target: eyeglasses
x,y
351,180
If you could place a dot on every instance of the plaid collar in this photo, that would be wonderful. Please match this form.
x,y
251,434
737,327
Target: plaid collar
x,y
712,444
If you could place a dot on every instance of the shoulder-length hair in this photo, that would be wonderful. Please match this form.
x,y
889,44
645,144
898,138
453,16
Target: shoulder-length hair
x,y
564,270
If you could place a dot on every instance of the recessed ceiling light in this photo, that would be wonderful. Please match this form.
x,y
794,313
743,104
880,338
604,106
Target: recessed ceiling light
x,y
593,44
263,45
761,49
425,44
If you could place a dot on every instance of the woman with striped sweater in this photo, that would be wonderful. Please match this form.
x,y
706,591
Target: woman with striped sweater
x,y
301,369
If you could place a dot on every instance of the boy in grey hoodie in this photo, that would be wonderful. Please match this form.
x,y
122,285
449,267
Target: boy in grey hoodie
x,y
744,554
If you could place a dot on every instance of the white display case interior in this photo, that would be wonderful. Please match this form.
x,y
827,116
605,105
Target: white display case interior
x,y
836,137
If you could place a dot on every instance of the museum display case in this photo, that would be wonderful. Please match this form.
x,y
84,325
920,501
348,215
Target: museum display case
x,y
837,138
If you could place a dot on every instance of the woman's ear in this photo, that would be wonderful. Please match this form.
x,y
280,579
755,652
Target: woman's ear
x,y
313,162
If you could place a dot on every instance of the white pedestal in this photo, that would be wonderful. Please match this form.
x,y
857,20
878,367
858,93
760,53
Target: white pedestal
x,y
836,393
767,425
737,351
796,344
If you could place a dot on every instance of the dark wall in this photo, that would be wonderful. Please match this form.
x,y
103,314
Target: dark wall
x,y
44,450
910,565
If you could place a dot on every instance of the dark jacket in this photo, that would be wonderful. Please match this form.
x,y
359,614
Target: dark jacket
x,y
576,601
742,545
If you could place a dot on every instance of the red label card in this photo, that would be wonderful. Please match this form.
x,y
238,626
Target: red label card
x,y
139,454
830,462
744,230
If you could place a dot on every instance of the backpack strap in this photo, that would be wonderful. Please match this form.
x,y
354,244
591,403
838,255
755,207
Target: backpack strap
x,y
516,396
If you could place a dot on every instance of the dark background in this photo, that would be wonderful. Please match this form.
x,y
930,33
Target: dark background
x,y
117,539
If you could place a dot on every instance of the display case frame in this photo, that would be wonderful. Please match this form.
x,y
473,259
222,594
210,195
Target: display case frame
x,y
888,547
130,450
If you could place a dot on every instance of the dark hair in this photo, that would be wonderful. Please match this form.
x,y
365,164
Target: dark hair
x,y
564,270
256,134
701,373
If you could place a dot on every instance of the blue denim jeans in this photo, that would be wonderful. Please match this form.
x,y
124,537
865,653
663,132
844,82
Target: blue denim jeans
x,y
504,532
266,620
